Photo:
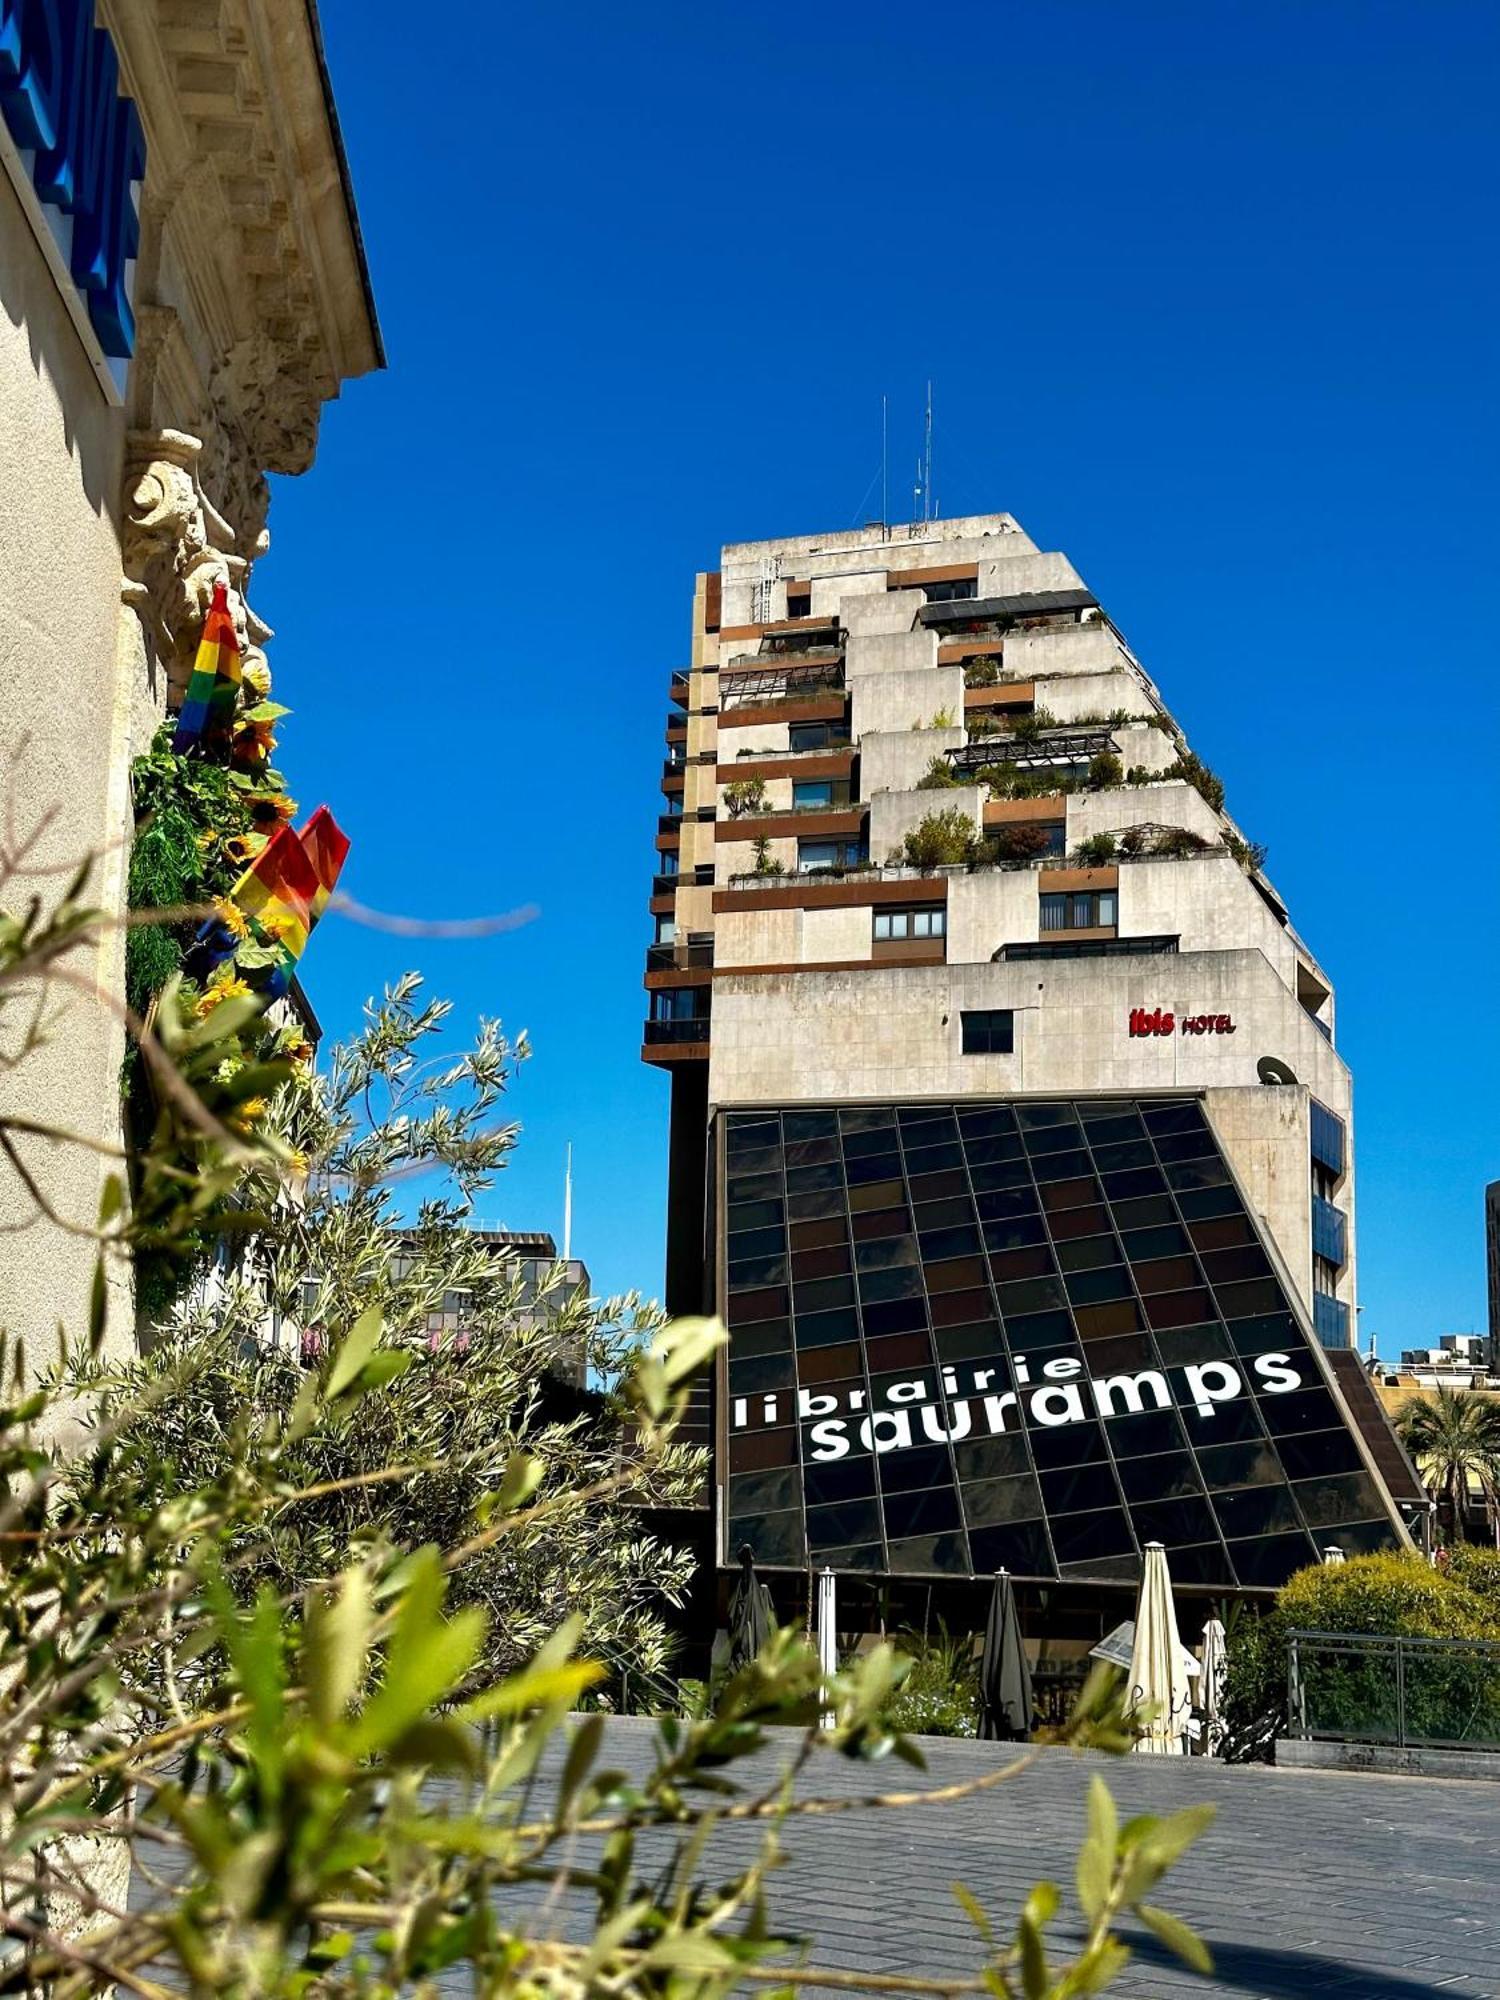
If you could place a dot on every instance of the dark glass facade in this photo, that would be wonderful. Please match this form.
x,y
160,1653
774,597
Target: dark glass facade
x,y
1030,1335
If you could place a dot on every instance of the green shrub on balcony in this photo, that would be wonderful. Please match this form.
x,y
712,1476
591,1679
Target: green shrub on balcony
x,y
943,840
1018,843
1097,849
938,777
1105,770
1250,854
745,795
982,674
1193,771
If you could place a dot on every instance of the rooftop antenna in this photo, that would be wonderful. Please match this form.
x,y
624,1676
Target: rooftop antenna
x,y
885,512
929,509
568,1207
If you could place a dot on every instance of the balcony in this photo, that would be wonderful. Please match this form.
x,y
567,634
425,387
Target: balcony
x,y
1330,1320
680,956
1111,947
1057,746
1329,1232
701,877
1005,611
679,689
676,1034
757,686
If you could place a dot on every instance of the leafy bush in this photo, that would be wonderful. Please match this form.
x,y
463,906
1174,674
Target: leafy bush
x,y
1023,842
1105,770
940,1694
744,795
983,673
1098,848
938,777
942,839
1394,1595
1196,773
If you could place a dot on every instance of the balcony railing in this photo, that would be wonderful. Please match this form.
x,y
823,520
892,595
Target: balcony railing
x,y
679,688
1329,1231
753,686
782,756
1005,612
1373,1687
679,956
1115,947
1067,746
677,1031
701,877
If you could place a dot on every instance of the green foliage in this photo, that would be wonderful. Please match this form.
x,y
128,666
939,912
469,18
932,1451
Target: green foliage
x,y
744,795
1105,770
764,865
1098,848
940,1694
1250,854
1395,1594
982,673
943,839
1021,842
938,777
1197,774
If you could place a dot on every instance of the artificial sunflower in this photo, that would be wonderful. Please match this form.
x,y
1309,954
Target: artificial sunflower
x,y
232,917
223,986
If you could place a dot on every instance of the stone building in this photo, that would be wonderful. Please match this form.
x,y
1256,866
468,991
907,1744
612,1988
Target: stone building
x,y
1009,1130
184,287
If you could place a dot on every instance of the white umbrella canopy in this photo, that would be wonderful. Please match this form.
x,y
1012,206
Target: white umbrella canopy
x,y
1334,1554
1159,1695
828,1649
1214,1665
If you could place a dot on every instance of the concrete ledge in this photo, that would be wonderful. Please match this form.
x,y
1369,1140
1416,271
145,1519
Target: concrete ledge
x,y
1386,1759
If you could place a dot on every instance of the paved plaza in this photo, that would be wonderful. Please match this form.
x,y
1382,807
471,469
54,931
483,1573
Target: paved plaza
x,y
1364,1888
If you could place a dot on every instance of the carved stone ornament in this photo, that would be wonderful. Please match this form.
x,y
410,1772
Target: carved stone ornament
x,y
177,546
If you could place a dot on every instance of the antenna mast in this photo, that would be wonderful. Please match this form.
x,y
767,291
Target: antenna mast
x,y
568,1207
929,510
885,512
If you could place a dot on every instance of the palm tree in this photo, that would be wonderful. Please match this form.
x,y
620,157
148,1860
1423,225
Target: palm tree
x,y
1454,1436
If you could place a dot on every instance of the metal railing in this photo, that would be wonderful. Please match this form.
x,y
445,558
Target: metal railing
x,y
680,957
1368,1687
1071,746
678,1031
766,683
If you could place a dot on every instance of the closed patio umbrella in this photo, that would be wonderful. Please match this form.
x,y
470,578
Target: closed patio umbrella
x,y
1334,1554
828,1645
1004,1677
751,1618
1214,1661
1158,1693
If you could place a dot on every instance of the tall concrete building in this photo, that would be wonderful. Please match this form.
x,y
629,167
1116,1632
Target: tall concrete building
x,y
1492,1265
1009,1130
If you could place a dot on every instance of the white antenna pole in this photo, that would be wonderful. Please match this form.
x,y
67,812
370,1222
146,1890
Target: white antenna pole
x,y
568,1207
929,511
885,512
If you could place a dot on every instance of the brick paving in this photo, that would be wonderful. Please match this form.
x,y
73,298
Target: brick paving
x,y
1359,1887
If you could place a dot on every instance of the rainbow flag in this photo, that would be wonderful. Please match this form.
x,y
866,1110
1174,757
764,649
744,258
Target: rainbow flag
x,y
206,719
326,847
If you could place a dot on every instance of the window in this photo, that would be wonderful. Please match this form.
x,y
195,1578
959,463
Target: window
x,y
670,862
810,793
666,930
910,924
674,803
1327,1134
990,1031
1080,910
818,736
799,601
680,1003
815,854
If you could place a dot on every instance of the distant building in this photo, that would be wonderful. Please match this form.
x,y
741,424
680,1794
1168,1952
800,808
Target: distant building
x,y
548,1283
1459,1361
1492,1263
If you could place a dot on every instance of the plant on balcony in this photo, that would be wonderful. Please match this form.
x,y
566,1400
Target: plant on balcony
x,y
1134,841
764,865
1105,770
938,777
1193,771
745,795
1250,854
943,840
1140,774
982,674
1178,840
979,725
1098,848
1018,843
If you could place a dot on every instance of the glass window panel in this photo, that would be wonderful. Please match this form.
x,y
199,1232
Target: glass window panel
x,y
811,1207
1104,1568
1037,1330
1087,1288
1070,1223
1189,1174
1196,1203
1181,1345
1115,1159
1121,1316
942,1214
849,1521
1205,1563
957,1308
775,1539
1078,1489
1015,1233
748,1135
931,1513
830,1263
1229,1422
1144,1212
825,1328
1020,1547
882,924
757,1451
841,1479
771,1302
1143,1246
884,1253
1266,1564
749,1218
869,1141
809,1125
1193,1146
751,1187
1348,1496
986,1120
990,1152
1028,1295
748,1374
1134,1184
1175,1522
990,1502
1144,1434
941,1186
1068,1444
866,1196
1109,1124
991,1457
771,1336
1166,1274
898,1357
1261,1295
869,1557
1065,1194
1035,1262
829,1364
1044,1116
929,1555
937,1244
1018,1204
1252,1463
1166,1117
958,1274
912,1471
765,1492
1123,1351
937,1157
1300,1410
979,1341
1003,1175
1080,1538
1222,1233
1266,1331
817,1235
1088,1253
821,1294
881,1222
1180,1308
822,1174
874,1169
901,1281
748,1273
866,1118
894,1316
1256,1510
1319,1454
1360,1538
1171,1475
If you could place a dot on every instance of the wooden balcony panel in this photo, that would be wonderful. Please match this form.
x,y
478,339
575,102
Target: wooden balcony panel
x,y
1026,812
1004,694
674,1052
834,764
952,651
807,892
1051,879
825,707
792,825
911,579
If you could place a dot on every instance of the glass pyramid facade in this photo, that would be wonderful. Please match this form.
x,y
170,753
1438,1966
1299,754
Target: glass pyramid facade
x,y
1031,1335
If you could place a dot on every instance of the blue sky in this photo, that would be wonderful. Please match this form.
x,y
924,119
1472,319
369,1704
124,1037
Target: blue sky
x,y
1208,297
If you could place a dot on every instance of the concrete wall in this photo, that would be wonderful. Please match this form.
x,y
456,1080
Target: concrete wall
x,y
904,700
69,717
894,760
894,814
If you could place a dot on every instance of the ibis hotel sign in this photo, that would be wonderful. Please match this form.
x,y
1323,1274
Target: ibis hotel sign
x,y
74,148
